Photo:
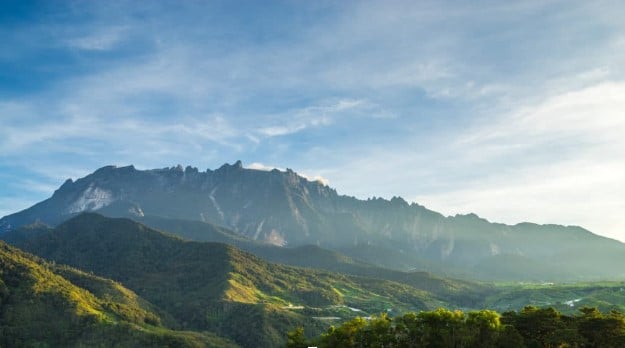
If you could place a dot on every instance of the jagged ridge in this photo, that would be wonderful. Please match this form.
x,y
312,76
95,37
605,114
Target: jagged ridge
x,y
283,208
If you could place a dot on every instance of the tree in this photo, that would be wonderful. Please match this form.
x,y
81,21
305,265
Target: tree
x,y
378,333
296,339
344,335
483,328
408,331
509,337
530,327
538,326
442,328
602,331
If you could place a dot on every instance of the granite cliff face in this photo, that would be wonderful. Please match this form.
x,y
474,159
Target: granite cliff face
x,y
285,209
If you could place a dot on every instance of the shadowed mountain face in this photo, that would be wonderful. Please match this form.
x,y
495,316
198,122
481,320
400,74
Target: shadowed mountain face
x,y
285,209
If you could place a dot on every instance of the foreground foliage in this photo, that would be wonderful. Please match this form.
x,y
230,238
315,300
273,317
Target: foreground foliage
x,y
44,305
529,327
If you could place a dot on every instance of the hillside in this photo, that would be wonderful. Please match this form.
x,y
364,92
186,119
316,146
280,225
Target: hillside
x,y
42,304
216,287
285,209
461,293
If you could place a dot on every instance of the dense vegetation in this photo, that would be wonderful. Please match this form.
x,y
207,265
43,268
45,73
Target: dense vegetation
x,y
459,292
529,327
45,305
216,287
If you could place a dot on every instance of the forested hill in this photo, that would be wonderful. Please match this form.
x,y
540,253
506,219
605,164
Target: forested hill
x,y
42,305
216,287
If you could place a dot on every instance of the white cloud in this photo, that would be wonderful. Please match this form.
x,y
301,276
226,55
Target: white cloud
x,y
260,166
58,134
572,193
561,161
275,131
590,121
318,178
323,115
263,167
104,39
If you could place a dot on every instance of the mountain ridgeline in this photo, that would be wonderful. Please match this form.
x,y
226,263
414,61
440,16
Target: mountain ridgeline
x,y
285,209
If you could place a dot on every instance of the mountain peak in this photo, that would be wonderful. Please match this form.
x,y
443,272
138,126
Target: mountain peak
x,y
105,169
238,165
189,170
68,183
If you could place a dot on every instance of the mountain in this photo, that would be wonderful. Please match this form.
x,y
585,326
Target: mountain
x,y
285,209
42,305
217,287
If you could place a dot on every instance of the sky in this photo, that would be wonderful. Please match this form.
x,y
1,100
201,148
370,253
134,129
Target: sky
x,y
511,110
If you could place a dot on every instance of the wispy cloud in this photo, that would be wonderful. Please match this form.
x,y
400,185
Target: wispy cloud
x,y
103,40
586,122
297,120
561,160
263,167
260,166
463,107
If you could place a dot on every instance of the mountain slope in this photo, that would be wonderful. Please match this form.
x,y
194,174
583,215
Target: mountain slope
x,y
47,305
459,292
213,286
283,208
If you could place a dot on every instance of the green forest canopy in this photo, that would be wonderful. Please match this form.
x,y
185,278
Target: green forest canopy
x,y
529,327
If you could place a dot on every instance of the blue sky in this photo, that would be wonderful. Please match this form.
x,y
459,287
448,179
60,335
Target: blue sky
x,y
512,110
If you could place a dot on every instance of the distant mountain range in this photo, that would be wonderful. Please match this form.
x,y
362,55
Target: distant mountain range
x,y
256,208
